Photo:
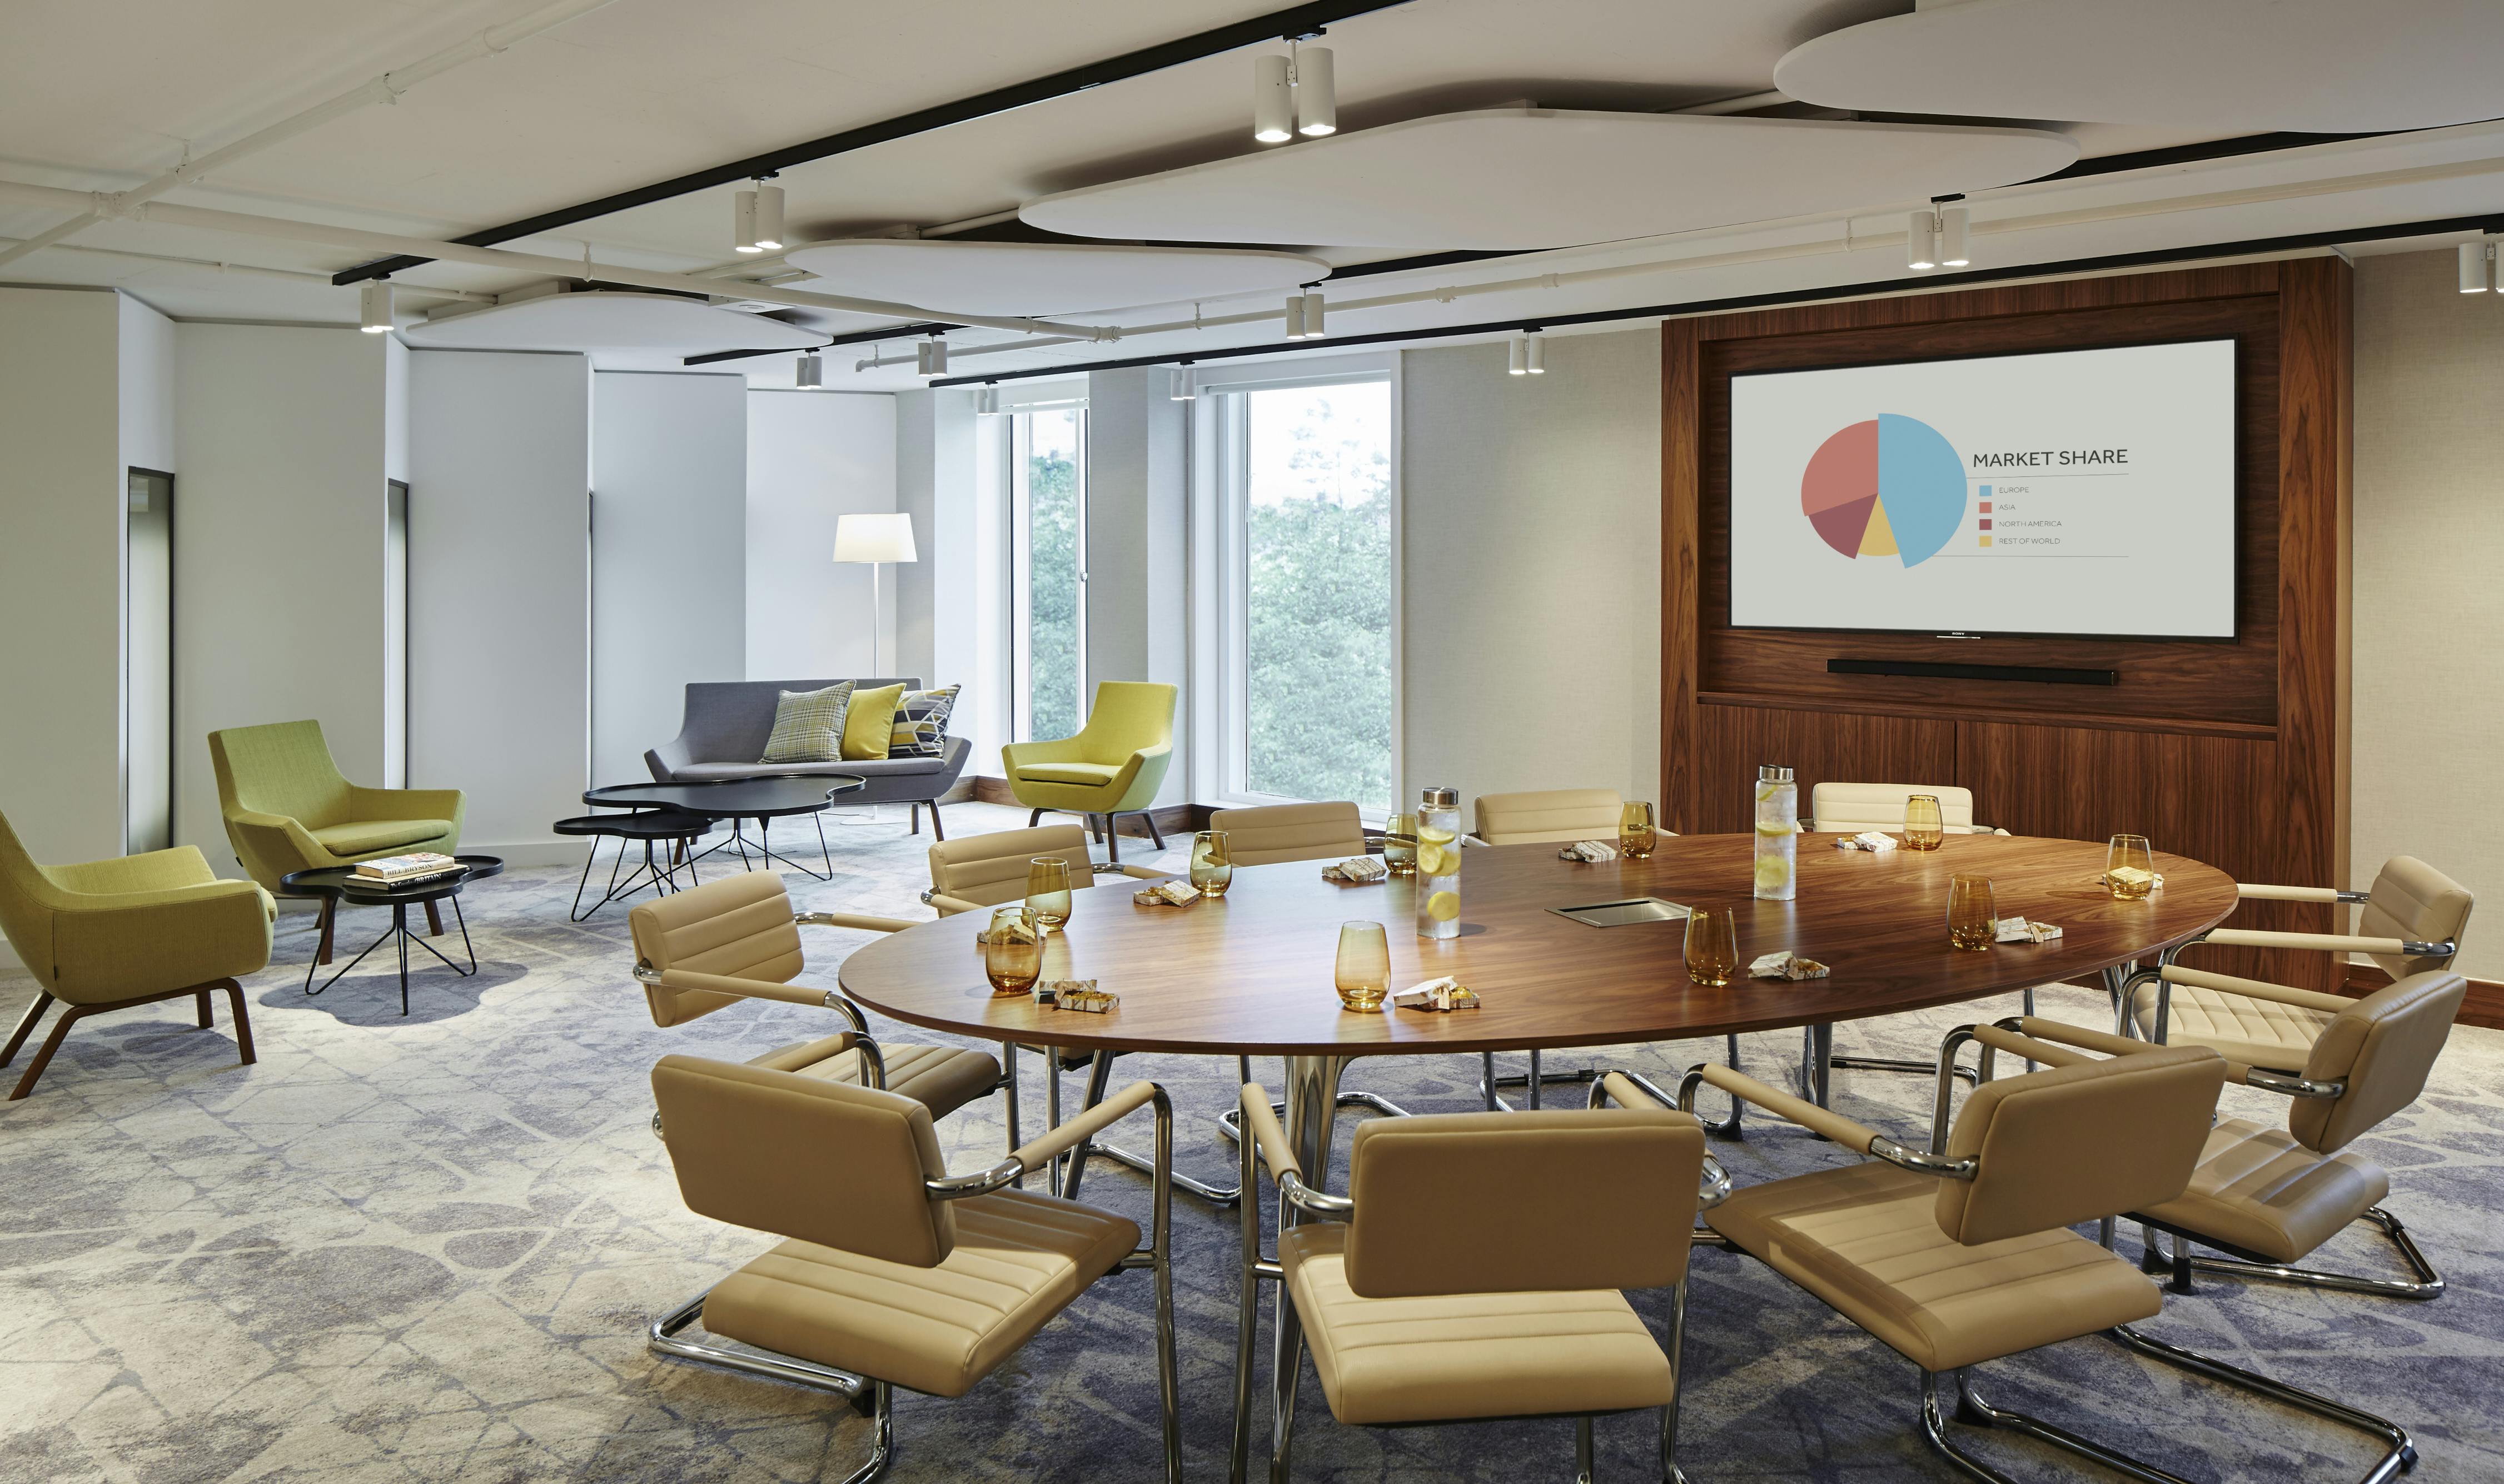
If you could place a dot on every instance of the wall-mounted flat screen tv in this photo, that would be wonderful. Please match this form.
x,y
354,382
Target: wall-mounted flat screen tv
x,y
2069,493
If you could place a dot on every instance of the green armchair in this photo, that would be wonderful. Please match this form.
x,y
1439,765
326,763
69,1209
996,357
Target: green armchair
x,y
110,934
288,808
1113,767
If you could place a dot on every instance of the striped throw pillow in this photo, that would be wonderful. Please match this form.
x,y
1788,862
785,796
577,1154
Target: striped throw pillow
x,y
809,725
921,723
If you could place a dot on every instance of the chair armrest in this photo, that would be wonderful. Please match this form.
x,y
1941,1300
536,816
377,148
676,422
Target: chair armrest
x,y
2000,1038
405,803
155,871
2255,891
2259,989
280,837
1852,1135
2041,1030
852,919
2327,943
127,944
1146,874
745,988
809,1053
1060,749
1035,1153
1261,1126
948,906
664,761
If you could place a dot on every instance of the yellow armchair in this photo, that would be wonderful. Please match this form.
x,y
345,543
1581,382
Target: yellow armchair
x,y
1113,767
110,934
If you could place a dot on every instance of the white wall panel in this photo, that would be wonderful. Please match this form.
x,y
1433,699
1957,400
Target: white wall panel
x,y
813,456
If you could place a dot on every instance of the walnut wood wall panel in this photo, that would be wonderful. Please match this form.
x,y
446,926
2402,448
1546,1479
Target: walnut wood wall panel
x,y
2233,752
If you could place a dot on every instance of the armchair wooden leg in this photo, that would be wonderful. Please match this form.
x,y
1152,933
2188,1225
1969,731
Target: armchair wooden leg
x,y
25,1027
330,920
242,1019
51,1043
1033,817
434,917
203,998
917,820
937,831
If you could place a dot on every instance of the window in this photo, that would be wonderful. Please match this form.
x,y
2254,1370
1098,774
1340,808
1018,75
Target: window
x,y
1305,577
1048,570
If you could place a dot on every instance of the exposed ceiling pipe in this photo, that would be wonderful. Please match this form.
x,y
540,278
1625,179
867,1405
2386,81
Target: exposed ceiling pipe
x,y
359,240
385,89
254,270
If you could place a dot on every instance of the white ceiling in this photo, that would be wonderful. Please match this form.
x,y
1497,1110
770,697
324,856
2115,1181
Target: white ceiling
x,y
606,320
103,95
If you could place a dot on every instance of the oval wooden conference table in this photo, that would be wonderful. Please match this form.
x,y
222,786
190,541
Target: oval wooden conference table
x,y
1250,974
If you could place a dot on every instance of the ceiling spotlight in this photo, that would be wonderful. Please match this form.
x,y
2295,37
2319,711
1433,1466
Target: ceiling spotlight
x,y
1313,317
769,217
1535,358
1922,241
1178,385
1294,316
1273,101
2473,266
1316,92
811,373
1520,365
931,357
1953,220
987,401
374,307
743,223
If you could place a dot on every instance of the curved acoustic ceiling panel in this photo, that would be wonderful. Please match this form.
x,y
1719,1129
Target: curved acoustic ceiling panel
x,y
1027,278
606,320
2240,66
1535,177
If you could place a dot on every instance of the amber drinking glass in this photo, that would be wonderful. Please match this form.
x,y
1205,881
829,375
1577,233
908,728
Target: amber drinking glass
x,y
1635,834
1212,869
1973,921
1047,891
1711,946
1923,828
2130,868
1400,844
1013,954
1363,968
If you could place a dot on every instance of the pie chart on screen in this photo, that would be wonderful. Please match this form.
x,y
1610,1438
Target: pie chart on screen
x,y
1889,486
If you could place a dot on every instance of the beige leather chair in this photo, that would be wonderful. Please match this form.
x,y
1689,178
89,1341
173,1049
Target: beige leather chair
x,y
737,939
1553,815
1474,1269
983,870
2271,1196
2412,921
892,1273
1848,809
1281,831
1962,1254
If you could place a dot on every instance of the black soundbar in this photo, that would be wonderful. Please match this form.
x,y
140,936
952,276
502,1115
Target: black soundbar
x,y
2041,673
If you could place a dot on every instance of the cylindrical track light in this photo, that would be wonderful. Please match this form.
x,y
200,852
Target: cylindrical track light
x,y
1519,364
987,401
743,223
1313,330
1952,221
1316,92
769,217
1178,385
1535,360
1922,241
811,372
938,358
2473,266
1294,316
374,307
1273,103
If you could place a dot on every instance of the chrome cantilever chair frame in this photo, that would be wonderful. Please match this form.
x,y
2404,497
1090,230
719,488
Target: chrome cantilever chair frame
x,y
2399,1452
874,1398
1295,1199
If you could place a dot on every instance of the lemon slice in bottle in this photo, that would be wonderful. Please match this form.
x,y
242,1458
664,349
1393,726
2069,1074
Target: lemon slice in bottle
x,y
1437,860
1434,837
1774,828
1443,906
1772,870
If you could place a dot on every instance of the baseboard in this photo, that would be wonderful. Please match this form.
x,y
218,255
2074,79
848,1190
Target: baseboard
x,y
2482,1006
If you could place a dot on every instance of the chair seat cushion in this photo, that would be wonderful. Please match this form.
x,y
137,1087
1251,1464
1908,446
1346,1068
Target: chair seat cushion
x,y
1389,1361
1867,1239
2255,1033
368,837
865,768
940,1078
1067,773
1020,1258
2258,1189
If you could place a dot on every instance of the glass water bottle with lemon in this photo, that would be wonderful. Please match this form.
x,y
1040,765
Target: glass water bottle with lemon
x,y
1777,834
1439,863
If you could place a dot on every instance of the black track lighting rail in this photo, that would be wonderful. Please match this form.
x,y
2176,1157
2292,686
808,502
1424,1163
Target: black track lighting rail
x,y
1296,20
1928,282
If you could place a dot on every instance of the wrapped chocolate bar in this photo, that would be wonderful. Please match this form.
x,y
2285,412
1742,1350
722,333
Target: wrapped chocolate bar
x,y
2020,930
1872,841
1588,851
1166,893
1438,996
1073,994
1786,965
1358,871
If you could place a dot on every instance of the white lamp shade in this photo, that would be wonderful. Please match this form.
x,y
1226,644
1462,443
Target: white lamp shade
x,y
875,538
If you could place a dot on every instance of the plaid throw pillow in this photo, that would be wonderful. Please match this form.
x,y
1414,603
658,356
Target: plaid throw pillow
x,y
809,725
921,723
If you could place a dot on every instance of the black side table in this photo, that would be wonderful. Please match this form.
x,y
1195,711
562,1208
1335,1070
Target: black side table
x,y
659,869
341,884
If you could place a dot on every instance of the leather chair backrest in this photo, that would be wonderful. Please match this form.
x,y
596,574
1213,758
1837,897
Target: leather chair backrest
x,y
822,1162
1552,814
2076,1143
284,768
1266,836
1846,809
2384,1046
1522,1202
1129,716
989,869
2413,900
740,926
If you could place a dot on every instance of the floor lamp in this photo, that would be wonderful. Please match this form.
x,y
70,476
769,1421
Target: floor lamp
x,y
875,538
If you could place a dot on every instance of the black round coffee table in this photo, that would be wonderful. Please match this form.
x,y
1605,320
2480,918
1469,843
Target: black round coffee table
x,y
740,800
341,884
660,868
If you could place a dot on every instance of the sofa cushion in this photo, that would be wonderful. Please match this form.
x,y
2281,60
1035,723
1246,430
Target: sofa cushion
x,y
1069,773
728,721
366,837
921,723
866,767
809,725
870,728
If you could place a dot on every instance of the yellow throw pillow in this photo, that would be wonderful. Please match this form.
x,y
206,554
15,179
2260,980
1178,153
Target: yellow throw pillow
x,y
869,727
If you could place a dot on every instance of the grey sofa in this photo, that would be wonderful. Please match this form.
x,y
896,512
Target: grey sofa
x,y
726,726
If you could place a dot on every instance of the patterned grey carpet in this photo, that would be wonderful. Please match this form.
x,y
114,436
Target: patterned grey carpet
x,y
424,1249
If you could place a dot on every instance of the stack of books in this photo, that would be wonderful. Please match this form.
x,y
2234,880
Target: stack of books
x,y
407,870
